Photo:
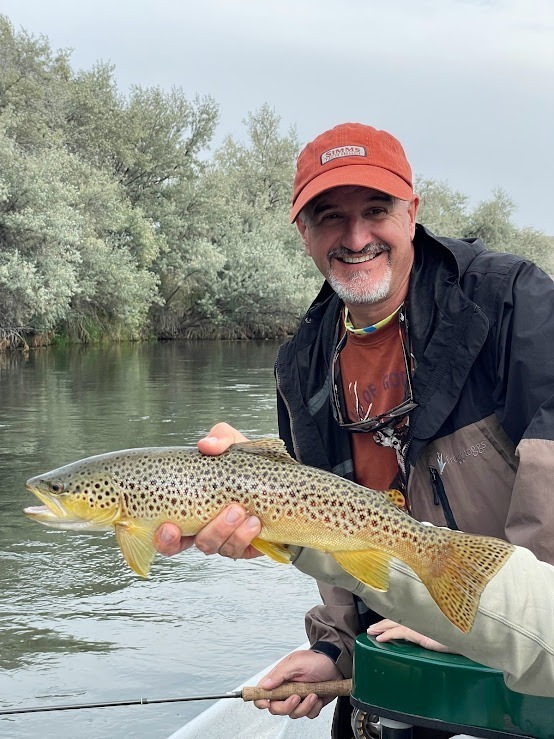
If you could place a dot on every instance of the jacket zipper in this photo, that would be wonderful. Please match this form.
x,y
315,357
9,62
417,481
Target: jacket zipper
x,y
440,498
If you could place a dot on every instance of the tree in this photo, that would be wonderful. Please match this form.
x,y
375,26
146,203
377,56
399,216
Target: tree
x,y
33,82
254,280
441,208
447,213
97,192
114,222
65,261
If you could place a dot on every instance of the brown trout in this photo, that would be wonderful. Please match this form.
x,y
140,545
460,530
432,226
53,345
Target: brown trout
x,y
136,490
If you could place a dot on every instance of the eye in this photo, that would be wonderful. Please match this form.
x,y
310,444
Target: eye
x,y
56,487
326,218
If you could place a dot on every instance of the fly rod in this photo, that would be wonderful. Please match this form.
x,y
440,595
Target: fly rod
x,y
331,688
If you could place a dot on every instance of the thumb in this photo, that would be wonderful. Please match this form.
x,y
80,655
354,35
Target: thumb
x,y
276,677
220,438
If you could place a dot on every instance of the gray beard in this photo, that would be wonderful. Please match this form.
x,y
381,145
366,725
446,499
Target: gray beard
x,y
354,292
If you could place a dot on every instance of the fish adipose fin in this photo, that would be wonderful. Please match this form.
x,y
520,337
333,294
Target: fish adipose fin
x,y
278,552
395,497
136,541
270,448
370,566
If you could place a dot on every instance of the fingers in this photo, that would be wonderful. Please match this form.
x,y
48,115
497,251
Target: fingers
x,y
230,533
304,665
387,630
233,530
391,631
294,706
381,627
220,438
168,540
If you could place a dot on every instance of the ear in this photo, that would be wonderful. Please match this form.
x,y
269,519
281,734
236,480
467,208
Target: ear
x,y
412,212
303,229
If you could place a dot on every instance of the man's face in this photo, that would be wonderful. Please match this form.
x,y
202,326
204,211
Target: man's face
x,y
361,241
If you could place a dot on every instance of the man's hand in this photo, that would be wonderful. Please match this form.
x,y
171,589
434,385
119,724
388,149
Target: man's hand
x,y
301,666
388,630
231,531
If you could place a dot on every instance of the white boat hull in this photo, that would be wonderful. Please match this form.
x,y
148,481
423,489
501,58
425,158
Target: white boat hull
x,y
242,720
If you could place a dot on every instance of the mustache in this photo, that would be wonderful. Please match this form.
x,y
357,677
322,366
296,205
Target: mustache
x,y
372,248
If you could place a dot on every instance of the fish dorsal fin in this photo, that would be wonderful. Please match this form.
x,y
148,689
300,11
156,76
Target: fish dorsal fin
x,y
278,552
136,541
370,567
269,447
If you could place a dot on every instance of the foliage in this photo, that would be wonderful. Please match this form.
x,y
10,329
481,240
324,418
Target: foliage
x,y
237,269
115,222
442,209
69,246
447,212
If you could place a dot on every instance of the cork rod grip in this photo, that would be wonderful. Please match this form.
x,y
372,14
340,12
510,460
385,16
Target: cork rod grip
x,y
332,688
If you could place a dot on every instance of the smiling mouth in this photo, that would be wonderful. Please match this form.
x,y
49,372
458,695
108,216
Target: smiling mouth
x,y
360,259
367,254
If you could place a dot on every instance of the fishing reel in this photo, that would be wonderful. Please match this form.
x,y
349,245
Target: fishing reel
x,y
365,725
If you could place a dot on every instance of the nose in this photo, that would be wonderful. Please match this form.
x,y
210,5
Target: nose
x,y
357,234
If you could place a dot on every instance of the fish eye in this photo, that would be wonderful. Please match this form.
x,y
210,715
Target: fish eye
x,y
56,487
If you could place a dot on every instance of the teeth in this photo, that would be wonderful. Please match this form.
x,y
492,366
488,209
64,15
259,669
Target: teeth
x,y
360,259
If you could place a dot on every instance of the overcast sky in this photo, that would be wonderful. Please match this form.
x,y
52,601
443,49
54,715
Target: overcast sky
x,y
466,85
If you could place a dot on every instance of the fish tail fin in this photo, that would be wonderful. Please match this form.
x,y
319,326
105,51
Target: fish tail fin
x,y
136,541
370,566
457,573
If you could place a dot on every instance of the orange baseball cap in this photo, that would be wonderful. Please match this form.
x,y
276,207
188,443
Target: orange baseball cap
x,y
351,154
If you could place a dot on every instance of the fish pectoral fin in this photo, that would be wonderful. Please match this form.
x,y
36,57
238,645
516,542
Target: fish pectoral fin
x,y
370,566
136,541
278,552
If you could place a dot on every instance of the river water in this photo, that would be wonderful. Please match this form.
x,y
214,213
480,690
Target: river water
x,y
76,625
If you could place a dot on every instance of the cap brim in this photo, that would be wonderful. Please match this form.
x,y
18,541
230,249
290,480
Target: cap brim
x,y
361,175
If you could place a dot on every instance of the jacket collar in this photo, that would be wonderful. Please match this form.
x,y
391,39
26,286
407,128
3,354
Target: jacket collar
x,y
447,329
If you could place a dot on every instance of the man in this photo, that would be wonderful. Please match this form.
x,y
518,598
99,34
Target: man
x,y
424,364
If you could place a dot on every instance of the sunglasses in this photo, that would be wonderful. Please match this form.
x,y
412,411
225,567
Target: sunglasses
x,y
390,418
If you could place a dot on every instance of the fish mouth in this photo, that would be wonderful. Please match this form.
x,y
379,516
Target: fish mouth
x,y
53,513
52,506
57,516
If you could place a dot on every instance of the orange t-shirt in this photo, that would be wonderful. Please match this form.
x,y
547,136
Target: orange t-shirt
x,y
373,379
